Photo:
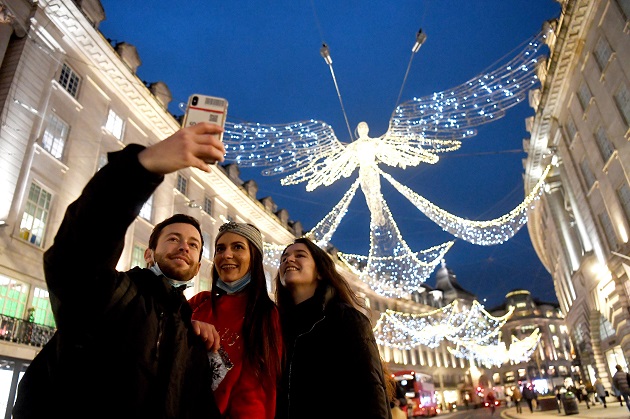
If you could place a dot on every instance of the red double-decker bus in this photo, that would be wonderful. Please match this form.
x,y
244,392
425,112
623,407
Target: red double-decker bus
x,y
419,391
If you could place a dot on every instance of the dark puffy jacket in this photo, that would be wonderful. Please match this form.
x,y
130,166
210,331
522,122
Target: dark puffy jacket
x,y
333,368
124,346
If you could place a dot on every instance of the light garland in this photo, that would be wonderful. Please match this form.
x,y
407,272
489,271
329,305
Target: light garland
x,y
392,269
419,129
455,322
485,233
324,230
496,353
451,114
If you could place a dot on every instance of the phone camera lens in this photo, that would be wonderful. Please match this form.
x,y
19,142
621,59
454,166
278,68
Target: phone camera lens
x,y
195,100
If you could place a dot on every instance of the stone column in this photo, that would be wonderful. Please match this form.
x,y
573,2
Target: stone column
x,y
563,223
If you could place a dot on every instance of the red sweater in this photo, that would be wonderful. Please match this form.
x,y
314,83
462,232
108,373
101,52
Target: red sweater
x,y
241,394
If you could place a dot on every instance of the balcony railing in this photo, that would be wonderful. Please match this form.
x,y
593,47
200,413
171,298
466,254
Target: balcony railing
x,y
23,331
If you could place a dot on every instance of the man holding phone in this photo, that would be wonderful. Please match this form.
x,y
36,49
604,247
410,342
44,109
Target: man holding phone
x,y
125,346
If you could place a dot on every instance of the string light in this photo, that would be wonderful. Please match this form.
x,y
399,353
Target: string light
x,y
419,129
455,322
483,233
449,115
496,353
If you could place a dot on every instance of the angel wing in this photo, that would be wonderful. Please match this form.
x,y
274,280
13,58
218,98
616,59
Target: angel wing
x,y
444,118
309,147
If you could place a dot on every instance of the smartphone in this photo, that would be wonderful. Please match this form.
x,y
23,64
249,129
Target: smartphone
x,y
202,108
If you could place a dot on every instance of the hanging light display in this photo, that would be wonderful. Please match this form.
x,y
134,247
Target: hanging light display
x,y
419,130
455,322
496,353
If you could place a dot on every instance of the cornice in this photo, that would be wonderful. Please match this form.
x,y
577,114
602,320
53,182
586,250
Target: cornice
x,y
80,34
563,57
108,67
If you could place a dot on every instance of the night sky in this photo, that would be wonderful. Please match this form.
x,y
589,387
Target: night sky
x,y
263,57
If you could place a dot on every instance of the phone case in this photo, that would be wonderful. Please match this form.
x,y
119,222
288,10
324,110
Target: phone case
x,y
202,108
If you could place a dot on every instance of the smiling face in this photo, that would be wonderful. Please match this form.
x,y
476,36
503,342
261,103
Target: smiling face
x,y
298,272
232,257
177,251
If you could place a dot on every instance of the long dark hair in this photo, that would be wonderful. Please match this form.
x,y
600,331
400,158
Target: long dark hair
x,y
260,333
329,278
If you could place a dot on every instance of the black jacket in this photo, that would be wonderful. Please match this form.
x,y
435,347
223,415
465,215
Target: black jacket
x,y
124,346
333,367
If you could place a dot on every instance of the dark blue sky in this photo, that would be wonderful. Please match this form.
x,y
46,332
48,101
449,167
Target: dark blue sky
x,y
263,56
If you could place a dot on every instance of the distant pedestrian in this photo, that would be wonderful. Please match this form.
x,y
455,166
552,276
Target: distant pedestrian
x,y
620,381
516,397
558,398
529,395
585,396
600,390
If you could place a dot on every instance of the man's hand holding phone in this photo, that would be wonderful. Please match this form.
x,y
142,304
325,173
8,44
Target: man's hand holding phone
x,y
195,146
203,108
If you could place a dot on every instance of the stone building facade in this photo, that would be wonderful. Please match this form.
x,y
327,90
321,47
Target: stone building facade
x,y
553,359
580,226
67,98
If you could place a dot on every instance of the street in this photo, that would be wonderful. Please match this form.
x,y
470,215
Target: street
x,y
481,413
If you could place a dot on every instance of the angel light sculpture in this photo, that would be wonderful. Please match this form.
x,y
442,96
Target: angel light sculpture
x,y
419,130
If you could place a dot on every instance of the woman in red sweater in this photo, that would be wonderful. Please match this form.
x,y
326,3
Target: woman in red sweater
x,y
247,366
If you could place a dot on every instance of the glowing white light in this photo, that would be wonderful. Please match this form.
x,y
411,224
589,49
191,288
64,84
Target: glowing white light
x,y
419,129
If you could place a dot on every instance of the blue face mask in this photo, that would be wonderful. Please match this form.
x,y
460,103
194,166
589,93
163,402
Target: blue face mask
x,y
236,286
174,282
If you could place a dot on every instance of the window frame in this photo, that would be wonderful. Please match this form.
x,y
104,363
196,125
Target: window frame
x,y
182,183
623,107
582,89
604,145
602,55
53,140
115,124
69,80
31,219
146,212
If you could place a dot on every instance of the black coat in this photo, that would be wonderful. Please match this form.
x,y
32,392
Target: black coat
x,y
333,366
124,346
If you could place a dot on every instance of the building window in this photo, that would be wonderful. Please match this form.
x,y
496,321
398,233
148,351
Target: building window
x,y
571,129
609,230
584,95
147,209
604,144
624,5
35,215
69,80
602,52
624,197
207,205
207,246
54,139
114,125
13,295
43,311
622,99
182,184
137,256
587,173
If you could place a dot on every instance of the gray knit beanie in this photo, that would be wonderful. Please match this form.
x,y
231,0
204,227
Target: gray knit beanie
x,y
248,231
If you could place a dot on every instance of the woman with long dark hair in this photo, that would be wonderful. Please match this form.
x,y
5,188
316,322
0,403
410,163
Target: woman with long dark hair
x,y
333,368
247,366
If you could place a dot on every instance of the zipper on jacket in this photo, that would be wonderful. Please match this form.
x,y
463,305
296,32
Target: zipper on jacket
x,y
291,364
159,336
